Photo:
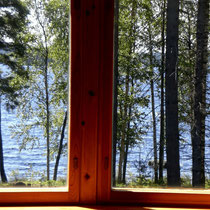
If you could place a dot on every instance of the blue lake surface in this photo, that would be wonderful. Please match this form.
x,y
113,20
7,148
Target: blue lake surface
x,y
143,151
32,163
27,163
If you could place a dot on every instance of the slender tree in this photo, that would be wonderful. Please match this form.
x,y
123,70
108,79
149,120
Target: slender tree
x,y
172,131
162,112
187,54
153,105
2,171
150,39
60,147
39,10
125,105
126,98
47,60
57,11
116,34
129,134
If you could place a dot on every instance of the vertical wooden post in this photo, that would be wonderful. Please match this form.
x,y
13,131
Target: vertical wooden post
x,y
84,118
91,91
76,96
105,101
90,69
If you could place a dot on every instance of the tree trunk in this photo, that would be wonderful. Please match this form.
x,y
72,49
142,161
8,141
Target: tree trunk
x,y
127,143
60,147
125,160
2,171
153,106
191,55
45,74
154,131
48,115
126,106
121,158
172,131
116,46
123,138
198,138
162,114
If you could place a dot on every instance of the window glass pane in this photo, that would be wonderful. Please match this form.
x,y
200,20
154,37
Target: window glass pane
x,y
161,95
34,59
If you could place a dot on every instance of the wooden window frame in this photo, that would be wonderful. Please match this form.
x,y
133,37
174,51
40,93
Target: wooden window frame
x,y
93,67
90,159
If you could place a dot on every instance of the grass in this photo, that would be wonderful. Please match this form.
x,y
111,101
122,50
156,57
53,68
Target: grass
x,y
16,180
31,179
35,183
149,183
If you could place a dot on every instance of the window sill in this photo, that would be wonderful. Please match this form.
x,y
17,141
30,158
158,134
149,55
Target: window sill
x,y
33,189
164,190
92,207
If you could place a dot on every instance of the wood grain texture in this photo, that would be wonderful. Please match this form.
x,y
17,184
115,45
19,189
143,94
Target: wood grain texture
x,y
75,99
120,207
104,192
89,207
90,70
34,198
178,199
91,124
105,101
50,198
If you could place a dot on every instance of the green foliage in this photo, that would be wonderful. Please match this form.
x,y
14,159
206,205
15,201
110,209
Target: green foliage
x,y
130,74
146,182
138,23
57,11
46,61
16,180
12,25
15,175
143,182
186,181
207,184
187,53
139,62
32,179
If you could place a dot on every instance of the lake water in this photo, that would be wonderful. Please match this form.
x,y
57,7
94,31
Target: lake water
x,y
144,152
32,163
27,163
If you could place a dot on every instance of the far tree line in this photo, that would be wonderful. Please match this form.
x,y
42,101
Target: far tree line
x,y
161,54
34,74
